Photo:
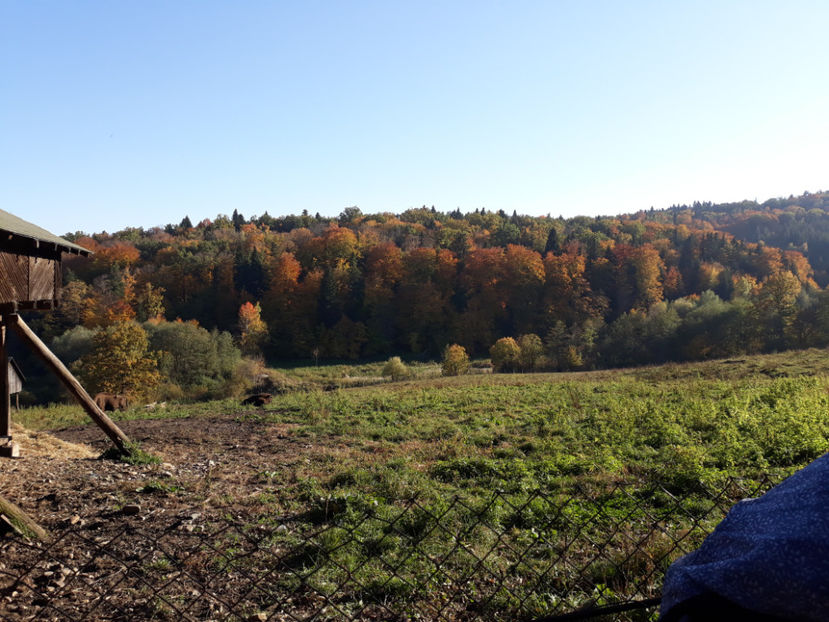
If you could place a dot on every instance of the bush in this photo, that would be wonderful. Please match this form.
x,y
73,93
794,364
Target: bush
x,y
248,376
73,344
531,351
273,381
396,369
170,392
455,361
505,355
571,358
198,361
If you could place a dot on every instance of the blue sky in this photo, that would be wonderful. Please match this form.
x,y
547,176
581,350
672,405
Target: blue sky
x,y
117,114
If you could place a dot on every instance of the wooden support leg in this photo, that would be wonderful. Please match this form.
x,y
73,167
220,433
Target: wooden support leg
x,y
8,448
25,333
5,398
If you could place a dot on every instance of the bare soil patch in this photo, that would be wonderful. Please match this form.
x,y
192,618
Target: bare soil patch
x,y
211,467
215,461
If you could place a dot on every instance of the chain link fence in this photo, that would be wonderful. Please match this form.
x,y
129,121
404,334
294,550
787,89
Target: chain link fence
x,y
597,553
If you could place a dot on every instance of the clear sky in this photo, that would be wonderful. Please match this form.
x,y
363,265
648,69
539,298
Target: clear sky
x,y
116,114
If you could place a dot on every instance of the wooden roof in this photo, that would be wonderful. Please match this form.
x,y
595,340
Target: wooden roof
x,y
11,226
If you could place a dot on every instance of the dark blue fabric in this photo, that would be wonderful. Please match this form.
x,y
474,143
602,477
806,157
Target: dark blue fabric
x,y
769,555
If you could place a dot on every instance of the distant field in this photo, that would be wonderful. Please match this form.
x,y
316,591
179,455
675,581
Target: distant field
x,y
334,453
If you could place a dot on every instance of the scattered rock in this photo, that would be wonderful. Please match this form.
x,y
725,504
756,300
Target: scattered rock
x,y
52,497
131,509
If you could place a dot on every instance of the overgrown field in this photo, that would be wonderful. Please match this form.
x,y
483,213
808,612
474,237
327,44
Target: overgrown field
x,y
507,460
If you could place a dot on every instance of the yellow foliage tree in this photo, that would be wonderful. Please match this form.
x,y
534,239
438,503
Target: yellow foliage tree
x,y
120,362
252,329
505,354
149,302
455,361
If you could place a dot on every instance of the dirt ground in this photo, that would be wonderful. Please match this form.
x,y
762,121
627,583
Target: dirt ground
x,y
106,517
211,462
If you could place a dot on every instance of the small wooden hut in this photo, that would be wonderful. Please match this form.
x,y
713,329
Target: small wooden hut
x,y
16,379
31,278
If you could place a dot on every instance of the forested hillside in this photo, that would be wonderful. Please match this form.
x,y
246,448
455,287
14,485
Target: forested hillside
x,y
797,223
687,283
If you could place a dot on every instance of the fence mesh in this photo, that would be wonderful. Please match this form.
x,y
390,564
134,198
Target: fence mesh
x,y
598,553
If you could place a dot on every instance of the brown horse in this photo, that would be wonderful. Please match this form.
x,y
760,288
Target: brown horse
x,y
111,401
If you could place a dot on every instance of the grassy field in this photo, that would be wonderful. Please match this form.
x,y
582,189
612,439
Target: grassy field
x,y
679,422
680,430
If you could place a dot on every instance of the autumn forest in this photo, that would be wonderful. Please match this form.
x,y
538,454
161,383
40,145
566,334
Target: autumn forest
x,y
686,283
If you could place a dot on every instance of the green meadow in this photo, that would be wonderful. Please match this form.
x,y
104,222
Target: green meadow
x,y
508,451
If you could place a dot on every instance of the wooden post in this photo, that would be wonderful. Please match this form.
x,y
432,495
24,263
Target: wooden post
x,y
8,448
5,398
117,436
21,521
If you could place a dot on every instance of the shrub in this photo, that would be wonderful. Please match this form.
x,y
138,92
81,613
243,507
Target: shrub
x,y
571,358
169,392
73,344
531,351
455,361
396,369
133,455
194,363
248,375
190,355
505,355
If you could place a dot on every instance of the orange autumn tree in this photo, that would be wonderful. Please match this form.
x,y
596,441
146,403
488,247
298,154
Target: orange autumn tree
x,y
484,286
252,329
278,300
423,299
524,280
383,270
638,276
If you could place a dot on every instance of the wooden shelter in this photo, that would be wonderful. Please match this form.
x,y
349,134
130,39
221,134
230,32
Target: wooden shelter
x,y
16,379
30,265
31,278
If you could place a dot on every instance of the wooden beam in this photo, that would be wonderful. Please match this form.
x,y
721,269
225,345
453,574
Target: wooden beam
x,y
21,521
5,395
25,333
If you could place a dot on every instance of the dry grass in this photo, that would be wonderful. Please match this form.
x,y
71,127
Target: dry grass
x,y
43,445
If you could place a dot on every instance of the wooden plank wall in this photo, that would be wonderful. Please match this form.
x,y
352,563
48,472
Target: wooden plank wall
x,y
14,277
41,279
15,384
25,279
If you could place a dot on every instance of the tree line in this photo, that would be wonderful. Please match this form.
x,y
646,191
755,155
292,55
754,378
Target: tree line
x,y
676,284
